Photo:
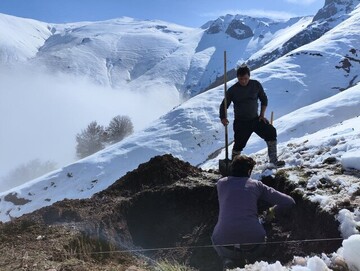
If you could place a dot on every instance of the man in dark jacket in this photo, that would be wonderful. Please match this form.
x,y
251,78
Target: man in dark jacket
x,y
245,95
238,232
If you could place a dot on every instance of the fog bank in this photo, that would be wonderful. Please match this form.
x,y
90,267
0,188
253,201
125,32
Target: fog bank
x,y
40,113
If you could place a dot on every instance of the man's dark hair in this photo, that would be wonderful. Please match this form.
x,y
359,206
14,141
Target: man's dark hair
x,y
243,70
242,166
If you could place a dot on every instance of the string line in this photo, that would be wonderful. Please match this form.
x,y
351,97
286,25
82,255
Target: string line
x,y
211,246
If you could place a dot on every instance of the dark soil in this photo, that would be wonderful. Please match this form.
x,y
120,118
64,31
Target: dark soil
x,y
166,204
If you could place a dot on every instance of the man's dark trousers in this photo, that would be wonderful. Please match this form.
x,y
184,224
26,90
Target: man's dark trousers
x,y
244,129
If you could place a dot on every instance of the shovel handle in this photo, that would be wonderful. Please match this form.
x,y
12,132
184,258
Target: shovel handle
x,y
225,105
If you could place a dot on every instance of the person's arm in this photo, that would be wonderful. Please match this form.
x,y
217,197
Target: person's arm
x,y
263,102
222,115
262,111
280,201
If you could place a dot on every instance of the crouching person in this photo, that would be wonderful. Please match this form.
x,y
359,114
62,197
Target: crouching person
x,y
238,234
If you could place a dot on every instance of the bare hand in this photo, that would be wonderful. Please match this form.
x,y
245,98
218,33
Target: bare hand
x,y
225,122
263,119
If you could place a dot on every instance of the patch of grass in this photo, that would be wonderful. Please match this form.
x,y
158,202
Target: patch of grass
x,y
281,174
166,265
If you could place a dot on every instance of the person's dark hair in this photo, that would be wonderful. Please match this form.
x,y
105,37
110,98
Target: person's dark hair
x,y
242,166
243,70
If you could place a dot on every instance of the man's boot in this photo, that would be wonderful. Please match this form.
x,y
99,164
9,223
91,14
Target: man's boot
x,y
272,152
234,154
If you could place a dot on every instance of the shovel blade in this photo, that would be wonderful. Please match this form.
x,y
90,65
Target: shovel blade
x,y
225,167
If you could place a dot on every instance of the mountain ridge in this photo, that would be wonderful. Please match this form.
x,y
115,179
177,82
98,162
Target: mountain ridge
x,y
110,65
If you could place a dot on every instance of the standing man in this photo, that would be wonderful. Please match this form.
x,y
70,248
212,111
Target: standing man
x,y
238,234
245,95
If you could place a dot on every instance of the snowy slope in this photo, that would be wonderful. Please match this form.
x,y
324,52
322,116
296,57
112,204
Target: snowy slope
x,y
281,37
180,132
307,120
118,51
330,15
21,38
316,70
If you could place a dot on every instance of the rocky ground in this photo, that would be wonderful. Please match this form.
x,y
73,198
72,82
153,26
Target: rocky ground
x,y
165,209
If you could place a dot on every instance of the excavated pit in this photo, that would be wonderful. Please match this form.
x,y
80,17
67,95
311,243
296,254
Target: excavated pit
x,y
184,215
170,208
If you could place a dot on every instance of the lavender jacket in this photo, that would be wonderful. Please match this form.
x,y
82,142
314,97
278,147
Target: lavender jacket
x,y
238,221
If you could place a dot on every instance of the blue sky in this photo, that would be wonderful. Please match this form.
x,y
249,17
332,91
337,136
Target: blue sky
x,y
192,13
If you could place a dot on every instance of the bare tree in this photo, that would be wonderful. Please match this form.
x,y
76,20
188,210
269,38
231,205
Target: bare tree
x,y
119,128
95,137
90,140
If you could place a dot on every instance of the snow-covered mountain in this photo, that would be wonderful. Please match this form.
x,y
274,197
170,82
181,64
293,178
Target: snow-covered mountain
x,y
333,13
129,54
192,131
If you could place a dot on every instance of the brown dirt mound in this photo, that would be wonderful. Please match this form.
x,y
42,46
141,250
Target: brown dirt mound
x,y
165,203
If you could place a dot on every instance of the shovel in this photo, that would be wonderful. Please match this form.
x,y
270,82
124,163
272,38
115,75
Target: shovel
x,y
225,164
